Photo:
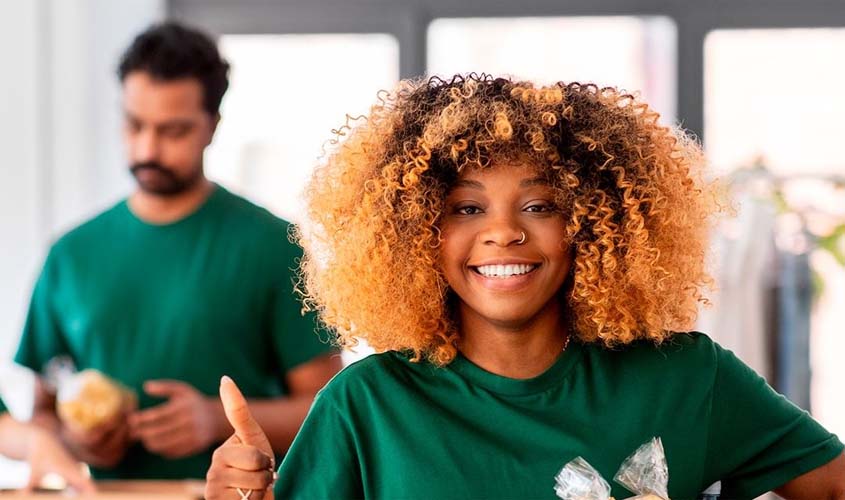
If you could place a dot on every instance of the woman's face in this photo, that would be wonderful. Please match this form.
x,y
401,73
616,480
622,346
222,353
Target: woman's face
x,y
499,279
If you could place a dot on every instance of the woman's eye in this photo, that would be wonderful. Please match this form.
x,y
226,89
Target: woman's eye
x,y
539,208
467,210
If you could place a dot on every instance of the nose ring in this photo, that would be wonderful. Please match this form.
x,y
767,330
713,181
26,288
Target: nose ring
x,y
522,240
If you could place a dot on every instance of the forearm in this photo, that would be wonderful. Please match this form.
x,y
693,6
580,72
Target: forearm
x,y
15,437
44,409
280,418
44,418
825,482
47,419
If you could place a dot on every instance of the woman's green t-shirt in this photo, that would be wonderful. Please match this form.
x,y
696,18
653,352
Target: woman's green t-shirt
x,y
389,428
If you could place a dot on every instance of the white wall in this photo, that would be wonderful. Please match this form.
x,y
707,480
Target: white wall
x,y
20,228
61,159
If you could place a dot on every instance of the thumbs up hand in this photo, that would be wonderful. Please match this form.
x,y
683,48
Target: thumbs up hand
x,y
243,467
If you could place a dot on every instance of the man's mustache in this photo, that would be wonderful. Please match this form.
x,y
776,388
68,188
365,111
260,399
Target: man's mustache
x,y
152,165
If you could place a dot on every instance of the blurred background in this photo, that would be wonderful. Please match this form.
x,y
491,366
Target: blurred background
x,y
755,80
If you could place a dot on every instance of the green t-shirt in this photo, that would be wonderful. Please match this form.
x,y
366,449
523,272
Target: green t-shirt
x,y
388,428
2,407
208,295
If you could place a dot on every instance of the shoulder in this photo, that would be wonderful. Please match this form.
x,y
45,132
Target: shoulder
x,y
692,353
90,232
681,345
260,223
259,216
702,352
375,373
690,346
372,369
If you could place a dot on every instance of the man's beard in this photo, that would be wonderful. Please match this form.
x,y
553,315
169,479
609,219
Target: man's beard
x,y
154,178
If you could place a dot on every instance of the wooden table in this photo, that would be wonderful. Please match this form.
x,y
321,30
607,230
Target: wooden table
x,y
126,490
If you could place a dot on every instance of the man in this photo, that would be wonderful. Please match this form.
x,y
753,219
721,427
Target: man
x,y
177,285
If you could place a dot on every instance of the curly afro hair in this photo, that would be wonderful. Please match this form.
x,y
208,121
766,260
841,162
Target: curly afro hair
x,y
636,206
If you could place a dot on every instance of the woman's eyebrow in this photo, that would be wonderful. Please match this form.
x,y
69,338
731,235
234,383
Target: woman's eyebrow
x,y
469,184
536,181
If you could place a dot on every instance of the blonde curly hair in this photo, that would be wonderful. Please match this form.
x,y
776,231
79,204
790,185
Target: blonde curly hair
x,y
636,206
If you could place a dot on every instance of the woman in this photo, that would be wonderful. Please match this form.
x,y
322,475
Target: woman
x,y
522,258
43,451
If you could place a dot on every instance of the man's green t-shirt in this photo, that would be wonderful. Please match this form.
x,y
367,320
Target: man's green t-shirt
x,y
2,407
208,295
388,428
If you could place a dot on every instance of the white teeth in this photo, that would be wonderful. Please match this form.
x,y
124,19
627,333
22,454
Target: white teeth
x,y
505,271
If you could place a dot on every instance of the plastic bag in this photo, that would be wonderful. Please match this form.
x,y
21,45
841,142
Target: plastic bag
x,y
646,472
578,480
88,399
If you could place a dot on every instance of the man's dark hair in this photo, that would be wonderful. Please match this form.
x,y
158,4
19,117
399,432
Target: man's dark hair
x,y
171,51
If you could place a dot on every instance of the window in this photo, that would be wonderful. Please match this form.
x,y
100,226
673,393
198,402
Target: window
x,y
773,97
287,94
775,94
634,53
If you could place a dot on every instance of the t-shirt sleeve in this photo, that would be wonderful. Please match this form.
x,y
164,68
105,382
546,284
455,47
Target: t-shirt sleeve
x,y
42,338
322,462
297,337
758,440
2,407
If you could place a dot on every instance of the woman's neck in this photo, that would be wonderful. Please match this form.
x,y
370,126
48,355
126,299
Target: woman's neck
x,y
520,351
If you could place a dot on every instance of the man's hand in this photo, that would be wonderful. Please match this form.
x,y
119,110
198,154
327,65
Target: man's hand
x,y
47,455
103,446
243,467
187,424
43,451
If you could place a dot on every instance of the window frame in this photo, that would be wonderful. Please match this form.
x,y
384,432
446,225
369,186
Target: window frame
x,y
408,21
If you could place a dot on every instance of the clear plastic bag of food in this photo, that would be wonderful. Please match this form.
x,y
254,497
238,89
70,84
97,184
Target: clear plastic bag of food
x,y
88,399
578,480
646,472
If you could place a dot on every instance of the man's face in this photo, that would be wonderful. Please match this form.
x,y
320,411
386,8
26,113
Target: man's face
x,y
166,130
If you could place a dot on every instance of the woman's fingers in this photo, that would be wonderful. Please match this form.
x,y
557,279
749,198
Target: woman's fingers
x,y
237,478
244,457
235,465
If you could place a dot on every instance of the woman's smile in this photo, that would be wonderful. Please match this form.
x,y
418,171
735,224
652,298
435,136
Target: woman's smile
x,y
505,274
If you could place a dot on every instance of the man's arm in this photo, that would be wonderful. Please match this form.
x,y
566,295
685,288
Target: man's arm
x,y
15,438
190,422
823,483
44,408
282,417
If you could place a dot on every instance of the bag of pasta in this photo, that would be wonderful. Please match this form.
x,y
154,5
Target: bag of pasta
x,y
88,399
